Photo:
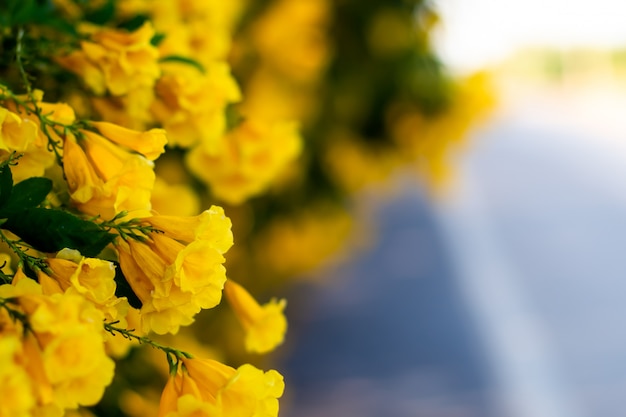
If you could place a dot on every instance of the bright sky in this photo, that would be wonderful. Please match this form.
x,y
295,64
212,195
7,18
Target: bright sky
x,y
477,32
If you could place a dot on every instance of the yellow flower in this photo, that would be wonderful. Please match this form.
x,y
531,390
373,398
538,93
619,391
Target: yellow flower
x,y
199,28
251,156
91,278
190,105
290,246
116,60
211,225
179,270
265,325
291,37
69,341
174,199
16,134
105,179
131,110
150,144
18,397
27,137
210,388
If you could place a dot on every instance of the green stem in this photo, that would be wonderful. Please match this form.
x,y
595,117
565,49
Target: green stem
x,y
130,229
173,355
32,262
53,145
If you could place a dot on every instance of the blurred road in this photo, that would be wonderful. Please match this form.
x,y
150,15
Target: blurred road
x,y
504,299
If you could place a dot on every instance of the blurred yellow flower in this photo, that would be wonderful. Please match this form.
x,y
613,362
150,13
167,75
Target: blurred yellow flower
x,y
174,199
132,110
115,60
291,246
265,325
18,398
250,157
292,38
186,111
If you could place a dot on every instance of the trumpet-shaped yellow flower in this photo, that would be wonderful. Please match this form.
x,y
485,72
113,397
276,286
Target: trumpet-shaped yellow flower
x,y
69,342
209,388
18,398
91,278
186,111
21,131
250,157
265,325
291,37
105,179
115,60
150,144
16,134
211,225
179,270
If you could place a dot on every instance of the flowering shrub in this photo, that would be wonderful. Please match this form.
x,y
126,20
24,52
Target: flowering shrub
x,y
86,106
129,129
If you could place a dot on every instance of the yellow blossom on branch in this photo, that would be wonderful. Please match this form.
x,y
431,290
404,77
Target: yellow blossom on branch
x,y
104,179
206,387
178,270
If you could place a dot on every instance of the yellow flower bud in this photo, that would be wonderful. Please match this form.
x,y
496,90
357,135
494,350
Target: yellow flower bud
x,y
265,325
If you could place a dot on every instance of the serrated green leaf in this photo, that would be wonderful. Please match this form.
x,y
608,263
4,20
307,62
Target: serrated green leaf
x,y
123,288
157,39
49,230
102,15
26,194
134,22
6,184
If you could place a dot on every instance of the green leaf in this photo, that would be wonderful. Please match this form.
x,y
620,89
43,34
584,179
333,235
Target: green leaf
x,y
183,60
157,39
49,230
26,194
123,288
134,22
6,184
102,15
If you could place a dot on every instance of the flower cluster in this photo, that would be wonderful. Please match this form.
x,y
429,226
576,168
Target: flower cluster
x,y
132,132
89,101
